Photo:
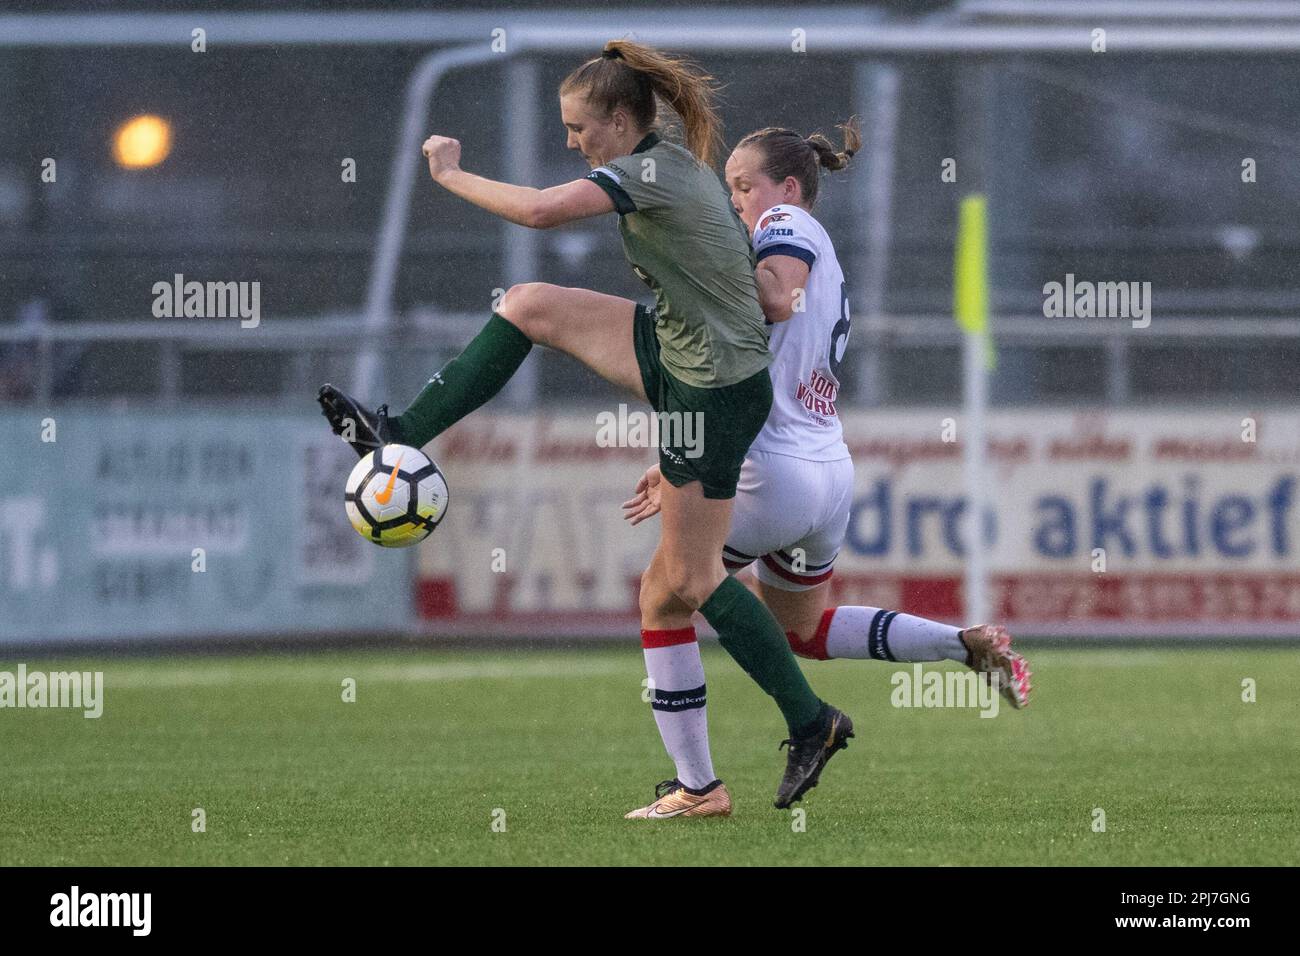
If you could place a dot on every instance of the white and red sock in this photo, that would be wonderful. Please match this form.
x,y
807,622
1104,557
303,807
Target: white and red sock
x,y
861,633
672,662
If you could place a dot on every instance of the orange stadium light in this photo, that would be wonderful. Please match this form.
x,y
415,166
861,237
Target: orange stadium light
x,y
142,141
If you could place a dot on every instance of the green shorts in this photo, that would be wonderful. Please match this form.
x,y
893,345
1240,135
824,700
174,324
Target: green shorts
x,y
704,433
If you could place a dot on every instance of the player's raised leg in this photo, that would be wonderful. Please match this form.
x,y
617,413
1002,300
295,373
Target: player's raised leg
x,y
824,633
594,328
792,576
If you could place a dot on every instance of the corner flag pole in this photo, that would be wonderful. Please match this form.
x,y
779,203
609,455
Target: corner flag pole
x,y
971,311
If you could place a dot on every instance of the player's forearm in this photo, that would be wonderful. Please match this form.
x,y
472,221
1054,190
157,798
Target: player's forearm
x,y
775,299
521,205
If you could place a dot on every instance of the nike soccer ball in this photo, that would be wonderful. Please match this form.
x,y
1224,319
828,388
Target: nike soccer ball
x,y
395,496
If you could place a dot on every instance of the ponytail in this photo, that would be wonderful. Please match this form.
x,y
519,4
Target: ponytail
x,y
786,153
632,75
827,157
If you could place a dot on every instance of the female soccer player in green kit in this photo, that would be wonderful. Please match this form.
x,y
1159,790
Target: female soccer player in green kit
x,y
701,354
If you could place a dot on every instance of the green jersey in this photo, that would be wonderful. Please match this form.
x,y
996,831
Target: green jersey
x,y
685,241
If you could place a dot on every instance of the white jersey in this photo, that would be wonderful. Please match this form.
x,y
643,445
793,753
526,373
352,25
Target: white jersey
x,y
807,348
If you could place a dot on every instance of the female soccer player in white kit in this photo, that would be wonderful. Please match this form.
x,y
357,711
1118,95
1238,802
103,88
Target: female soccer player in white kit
x,y
796,485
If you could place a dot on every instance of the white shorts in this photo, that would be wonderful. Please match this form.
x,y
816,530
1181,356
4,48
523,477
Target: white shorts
x,y
790,515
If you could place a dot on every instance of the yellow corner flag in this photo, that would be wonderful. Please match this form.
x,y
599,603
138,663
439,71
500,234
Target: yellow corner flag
x,y
970,288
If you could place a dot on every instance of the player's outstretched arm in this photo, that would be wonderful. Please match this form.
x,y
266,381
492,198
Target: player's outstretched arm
x,y
522,205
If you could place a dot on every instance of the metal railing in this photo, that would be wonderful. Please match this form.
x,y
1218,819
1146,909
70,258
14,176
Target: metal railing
x,y
441,333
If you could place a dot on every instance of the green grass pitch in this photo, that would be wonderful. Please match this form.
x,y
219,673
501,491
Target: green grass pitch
x,y
557,745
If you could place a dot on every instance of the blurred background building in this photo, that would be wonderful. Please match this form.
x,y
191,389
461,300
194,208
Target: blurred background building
x,y
1108,166
1163,153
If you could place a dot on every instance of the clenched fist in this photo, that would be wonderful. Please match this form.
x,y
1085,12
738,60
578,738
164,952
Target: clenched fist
x,y
443,154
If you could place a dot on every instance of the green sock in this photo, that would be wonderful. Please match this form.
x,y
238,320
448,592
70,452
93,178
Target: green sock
x,y
750,634
464,383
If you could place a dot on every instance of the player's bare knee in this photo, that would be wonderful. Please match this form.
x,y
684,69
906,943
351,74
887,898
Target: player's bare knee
x,y
690,585
525,307
655,596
